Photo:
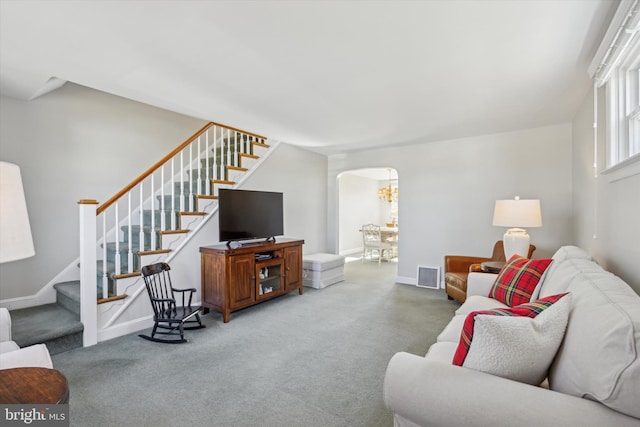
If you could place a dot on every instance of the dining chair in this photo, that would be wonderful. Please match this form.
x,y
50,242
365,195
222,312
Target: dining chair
x,y
372,241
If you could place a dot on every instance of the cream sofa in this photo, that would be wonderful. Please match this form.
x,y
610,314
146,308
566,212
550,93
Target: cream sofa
x,y
594,379
12,356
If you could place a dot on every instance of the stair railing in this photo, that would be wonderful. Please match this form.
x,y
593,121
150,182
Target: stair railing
x,y
147,207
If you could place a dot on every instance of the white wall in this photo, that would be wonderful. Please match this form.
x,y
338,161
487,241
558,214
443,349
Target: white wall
x,y
301,176
71,144
358,204
449,189
608,210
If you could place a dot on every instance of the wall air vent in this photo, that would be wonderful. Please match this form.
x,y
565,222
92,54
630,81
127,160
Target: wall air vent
x,y
428,277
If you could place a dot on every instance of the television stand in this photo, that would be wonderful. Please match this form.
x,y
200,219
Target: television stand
x,y
235,278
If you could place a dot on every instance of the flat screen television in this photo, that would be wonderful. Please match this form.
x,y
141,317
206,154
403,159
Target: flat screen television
x,y
247,214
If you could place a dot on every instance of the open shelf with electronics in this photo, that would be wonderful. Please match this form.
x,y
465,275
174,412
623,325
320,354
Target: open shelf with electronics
x,y
235,278
269,277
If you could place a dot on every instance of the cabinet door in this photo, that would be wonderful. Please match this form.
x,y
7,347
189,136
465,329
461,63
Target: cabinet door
x,y
269,274
213,281
293,268
241,280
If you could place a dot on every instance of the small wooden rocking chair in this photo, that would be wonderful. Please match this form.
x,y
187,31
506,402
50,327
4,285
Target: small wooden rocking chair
x,y
166,313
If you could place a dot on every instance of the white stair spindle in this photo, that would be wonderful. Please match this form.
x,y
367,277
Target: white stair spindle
x,y
199,166
215,155
117,236
153,215
181,181
190,178
105,278
129,235
208,177
229,159
141,209
222,154
237,149
163,225
173,196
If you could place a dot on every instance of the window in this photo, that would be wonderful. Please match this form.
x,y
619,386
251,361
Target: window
x,y
617,65
634,114
623,109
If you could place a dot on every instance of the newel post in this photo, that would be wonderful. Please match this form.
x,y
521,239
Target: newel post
x,y
88,272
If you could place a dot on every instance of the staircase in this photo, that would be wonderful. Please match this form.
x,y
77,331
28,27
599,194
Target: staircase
x,y
57,325
166,216
226,160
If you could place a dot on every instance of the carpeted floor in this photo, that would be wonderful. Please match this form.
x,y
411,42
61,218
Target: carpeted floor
x,y
313,360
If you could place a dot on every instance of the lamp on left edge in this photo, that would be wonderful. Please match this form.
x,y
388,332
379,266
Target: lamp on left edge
x,y
16,241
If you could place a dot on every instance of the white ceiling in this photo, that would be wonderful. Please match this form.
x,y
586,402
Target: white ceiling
x,y
327,75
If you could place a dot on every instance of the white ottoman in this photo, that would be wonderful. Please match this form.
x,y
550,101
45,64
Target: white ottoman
x,y
321,270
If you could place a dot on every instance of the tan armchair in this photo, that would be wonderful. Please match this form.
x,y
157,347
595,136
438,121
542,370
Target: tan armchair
x,y
457,267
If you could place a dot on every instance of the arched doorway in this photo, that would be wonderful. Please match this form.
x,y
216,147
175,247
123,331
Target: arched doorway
x,y
366,196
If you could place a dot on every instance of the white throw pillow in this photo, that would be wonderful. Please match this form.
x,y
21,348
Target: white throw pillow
x,y
518,343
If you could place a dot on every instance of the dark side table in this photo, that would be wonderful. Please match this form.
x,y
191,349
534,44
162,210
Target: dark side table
x,y
33,385
492,266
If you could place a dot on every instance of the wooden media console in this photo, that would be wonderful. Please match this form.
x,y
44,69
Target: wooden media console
x,y
255,272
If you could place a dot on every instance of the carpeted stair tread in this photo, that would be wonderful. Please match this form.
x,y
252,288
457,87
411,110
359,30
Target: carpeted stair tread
x,y
50,324
68,295
70,289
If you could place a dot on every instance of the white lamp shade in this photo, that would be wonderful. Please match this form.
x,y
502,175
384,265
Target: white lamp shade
x,y
16,241
517,213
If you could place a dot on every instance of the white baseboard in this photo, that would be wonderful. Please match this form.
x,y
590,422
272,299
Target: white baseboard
x,y
125,328
129,327
413,281
351,251
44,296
407,280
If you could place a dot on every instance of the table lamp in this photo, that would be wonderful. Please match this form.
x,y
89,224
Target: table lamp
x,y
16,241
516,214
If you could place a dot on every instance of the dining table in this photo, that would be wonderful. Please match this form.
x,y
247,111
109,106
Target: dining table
x,y
389,234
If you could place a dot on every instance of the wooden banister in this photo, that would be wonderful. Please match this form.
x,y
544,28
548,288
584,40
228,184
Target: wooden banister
x,y
239,130
166,158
